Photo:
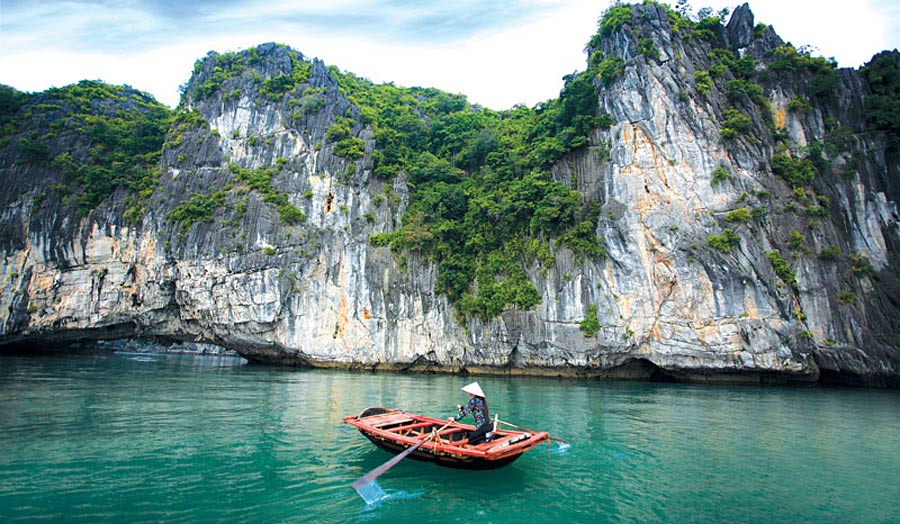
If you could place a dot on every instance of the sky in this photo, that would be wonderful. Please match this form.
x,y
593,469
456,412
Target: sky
x,y
498,53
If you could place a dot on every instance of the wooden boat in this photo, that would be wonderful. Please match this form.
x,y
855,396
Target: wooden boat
x,y
396,431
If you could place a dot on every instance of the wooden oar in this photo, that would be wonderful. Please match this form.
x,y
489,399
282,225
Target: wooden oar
x,y
375,473
530,431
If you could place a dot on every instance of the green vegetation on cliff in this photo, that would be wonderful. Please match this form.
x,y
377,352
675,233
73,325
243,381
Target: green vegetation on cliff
x,y
591,323
483,196
230,65
11,101
882,109
98,137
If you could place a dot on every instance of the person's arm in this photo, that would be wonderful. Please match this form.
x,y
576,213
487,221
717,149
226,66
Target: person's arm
x,y
463,410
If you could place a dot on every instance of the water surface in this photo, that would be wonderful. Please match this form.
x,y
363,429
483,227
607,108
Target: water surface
x,y
140,438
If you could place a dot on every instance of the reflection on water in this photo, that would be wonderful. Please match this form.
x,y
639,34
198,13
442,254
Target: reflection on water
x,y
161,438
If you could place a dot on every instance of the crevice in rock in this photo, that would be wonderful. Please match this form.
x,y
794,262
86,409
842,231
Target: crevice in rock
x,y
831,377
639,369
514,358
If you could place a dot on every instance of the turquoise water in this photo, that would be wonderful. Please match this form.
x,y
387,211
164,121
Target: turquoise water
x,y
133,438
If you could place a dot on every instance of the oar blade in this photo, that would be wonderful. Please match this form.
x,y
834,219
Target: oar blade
x,y
371,492
375,473
361,485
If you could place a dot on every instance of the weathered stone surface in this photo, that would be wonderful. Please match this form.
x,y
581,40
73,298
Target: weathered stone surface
x,y
319,294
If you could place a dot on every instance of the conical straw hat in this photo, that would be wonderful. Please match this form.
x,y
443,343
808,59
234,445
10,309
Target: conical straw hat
x,y
474,389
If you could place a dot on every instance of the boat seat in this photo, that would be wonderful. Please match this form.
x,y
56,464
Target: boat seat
x,y
498,444
407,429
392,422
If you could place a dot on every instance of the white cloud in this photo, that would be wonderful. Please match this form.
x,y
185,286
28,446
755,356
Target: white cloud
x,y
518,55
522,64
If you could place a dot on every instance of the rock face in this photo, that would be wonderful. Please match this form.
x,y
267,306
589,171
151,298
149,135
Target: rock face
x,y
669,173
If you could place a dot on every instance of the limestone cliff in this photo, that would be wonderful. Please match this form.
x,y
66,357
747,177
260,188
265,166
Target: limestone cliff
x,y
725,258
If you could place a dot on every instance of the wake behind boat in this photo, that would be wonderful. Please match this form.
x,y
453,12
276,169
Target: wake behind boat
x,y
441,442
